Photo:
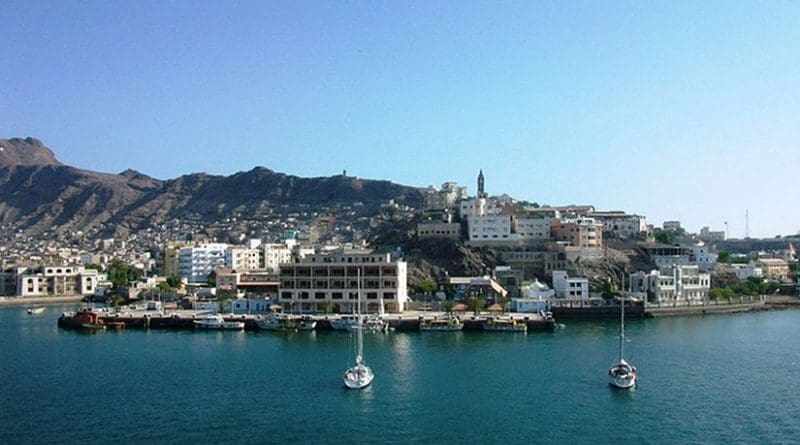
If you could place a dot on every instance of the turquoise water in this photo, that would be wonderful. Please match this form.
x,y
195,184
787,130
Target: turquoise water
x,y
716,379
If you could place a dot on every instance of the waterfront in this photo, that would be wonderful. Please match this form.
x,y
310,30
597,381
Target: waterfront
x,y
703,379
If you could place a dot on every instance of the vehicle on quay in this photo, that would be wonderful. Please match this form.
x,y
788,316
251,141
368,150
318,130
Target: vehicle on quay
x,y
216,321
622,374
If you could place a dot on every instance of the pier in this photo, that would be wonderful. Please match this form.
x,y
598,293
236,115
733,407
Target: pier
x,y
184,320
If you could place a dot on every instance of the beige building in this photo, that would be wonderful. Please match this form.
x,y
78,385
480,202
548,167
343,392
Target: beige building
x,y
320,282
581,232
774,268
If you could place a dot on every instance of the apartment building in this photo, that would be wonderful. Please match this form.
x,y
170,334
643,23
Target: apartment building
x,y
57,281
196,263
242,259
580,232
567,287
672,284
321,282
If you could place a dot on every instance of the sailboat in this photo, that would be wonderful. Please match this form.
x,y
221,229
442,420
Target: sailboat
x,y
622,374
360,375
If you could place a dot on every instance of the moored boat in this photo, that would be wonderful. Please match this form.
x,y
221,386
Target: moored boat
x,y
217,322
359,375
504,325
35,310
622,374
448,324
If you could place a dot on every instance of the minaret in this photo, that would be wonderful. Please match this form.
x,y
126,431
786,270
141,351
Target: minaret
x,y
481,192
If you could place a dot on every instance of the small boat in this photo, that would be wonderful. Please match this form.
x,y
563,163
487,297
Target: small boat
x,y
360,375
341,323
218,322
276,322
447,324
504,325
93,326
622,374
35,310
369,325
305,323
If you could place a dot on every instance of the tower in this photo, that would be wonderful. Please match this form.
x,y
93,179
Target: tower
x,y
481,192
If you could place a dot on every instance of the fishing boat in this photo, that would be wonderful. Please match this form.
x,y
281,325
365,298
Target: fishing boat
x,y
622,374
305,323
360,375
447,324
217,322
504,325
35,310
276,322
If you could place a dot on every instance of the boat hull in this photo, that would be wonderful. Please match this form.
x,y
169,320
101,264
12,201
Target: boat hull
x,y
358,377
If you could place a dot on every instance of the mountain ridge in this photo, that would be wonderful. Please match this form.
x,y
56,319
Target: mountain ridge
x,y
39,194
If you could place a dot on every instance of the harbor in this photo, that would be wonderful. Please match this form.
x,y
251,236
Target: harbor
x,y
185,319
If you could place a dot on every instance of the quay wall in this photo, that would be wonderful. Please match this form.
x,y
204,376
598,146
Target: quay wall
x,y
31,301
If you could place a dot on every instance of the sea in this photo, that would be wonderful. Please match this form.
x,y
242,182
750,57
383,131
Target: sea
x,y
704,379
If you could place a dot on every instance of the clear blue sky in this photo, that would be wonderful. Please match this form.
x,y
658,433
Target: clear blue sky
x,y
674,110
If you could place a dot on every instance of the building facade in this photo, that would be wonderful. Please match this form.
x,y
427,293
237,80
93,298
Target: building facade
x,y
580,232
572,288
672,285
320,283
196,263
58,281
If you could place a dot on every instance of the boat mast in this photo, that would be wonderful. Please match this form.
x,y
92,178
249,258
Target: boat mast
x,y
622,328
359,323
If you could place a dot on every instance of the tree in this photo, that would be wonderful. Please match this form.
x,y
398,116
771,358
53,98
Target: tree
x,y
426,286
608,290
476,304
724,256
174,281
122,274
664,236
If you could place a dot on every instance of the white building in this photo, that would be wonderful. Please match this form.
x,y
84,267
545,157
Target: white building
x,y
320,282
672,284
749,270
621,224
242,259
535,298
58,280
491,228
276,254
572,288
195,263
532,228
700,256
711,235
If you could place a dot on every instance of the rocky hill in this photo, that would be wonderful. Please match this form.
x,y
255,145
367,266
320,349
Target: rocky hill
x,y
39,194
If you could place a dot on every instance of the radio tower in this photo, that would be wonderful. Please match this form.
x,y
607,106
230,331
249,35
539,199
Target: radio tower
x,y
746,223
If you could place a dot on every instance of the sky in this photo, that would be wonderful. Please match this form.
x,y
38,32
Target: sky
x,y
672,110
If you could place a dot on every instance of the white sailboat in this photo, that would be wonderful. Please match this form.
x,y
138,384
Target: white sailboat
x,y
360,375
622,374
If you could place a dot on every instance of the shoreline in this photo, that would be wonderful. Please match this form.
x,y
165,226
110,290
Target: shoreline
x,y
39,301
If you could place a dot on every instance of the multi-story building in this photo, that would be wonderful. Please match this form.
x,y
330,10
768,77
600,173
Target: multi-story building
x,y
572,288
581,232
438,229
490,228
331,282
672,225
532,227
171,264
276,254
711,235
243,259
58,280
196,263
774,268
672,284
447,198
745,271
621,224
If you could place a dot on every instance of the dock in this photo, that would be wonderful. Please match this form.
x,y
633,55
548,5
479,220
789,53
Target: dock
x,y
184,320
